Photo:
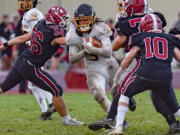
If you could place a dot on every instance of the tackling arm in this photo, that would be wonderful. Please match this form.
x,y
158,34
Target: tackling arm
x,y
127,60
177,54
118,42
59,40
17,40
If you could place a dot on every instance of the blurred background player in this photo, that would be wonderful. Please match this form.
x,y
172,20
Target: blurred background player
x,y
126,25
31,15
156,50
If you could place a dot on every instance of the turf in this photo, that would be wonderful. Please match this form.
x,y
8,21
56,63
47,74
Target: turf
x,y
19,116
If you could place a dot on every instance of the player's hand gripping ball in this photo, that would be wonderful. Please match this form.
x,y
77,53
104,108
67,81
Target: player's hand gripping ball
x,y
93,42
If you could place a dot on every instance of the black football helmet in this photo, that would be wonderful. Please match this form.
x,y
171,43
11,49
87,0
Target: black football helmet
x,y
84,12
26,4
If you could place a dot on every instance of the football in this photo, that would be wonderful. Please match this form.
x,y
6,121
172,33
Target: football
x,y
95,42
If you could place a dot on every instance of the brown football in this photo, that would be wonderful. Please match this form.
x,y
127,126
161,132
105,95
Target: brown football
x,y
95,42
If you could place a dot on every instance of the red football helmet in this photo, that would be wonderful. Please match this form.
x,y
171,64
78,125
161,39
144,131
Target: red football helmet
x,y
136,7
150,22
57,15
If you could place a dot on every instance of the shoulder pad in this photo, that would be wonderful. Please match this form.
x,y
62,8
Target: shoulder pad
x,y
72,38
103,29
33,15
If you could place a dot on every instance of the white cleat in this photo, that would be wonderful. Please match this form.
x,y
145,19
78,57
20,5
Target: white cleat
x,y
73,122
117,131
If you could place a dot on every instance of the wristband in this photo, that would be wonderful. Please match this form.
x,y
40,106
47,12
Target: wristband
x,y
6,44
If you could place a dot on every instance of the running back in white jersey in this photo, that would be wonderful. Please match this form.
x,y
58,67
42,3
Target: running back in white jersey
x,y
101,32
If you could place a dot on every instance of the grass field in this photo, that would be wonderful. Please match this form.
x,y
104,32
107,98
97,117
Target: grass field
x,y
19,116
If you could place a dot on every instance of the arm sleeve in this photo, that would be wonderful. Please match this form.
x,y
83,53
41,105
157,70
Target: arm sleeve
x,y
75,54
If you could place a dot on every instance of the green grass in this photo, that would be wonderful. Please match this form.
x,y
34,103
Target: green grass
x,y
19,116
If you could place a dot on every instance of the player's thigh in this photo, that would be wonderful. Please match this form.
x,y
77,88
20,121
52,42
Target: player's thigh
x,y
44,81
128,73
166,92
134,86
96,82
12,79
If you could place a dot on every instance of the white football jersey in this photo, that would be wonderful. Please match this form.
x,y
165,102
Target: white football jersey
x,y
30,19
100,31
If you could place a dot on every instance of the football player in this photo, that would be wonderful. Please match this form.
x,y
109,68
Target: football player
x,y
127,24
156,50
101,66
28,65
31,15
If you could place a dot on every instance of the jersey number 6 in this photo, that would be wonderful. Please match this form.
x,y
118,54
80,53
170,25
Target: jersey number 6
x,y
36,47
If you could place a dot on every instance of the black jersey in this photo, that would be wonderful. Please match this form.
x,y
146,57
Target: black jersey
x,y
128,26
41,50
156,54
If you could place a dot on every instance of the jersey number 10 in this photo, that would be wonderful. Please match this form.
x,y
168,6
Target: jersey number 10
x,y
159,48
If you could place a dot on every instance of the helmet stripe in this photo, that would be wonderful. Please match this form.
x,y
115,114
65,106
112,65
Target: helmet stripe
x,y
154,21
145,6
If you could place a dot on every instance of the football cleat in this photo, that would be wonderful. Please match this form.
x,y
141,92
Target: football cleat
x,y
132,104
45,116
73,122
104,123
174,128
117,131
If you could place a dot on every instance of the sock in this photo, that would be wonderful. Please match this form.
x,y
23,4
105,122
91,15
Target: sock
x,y
65,118
113,110
122,110
177,113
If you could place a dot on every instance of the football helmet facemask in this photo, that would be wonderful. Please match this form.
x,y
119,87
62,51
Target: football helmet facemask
x,y
84,12
26,4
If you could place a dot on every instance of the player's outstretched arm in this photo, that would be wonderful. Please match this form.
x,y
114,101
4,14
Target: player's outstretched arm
x,y
132,54
59,41
119,41
17,40
177,54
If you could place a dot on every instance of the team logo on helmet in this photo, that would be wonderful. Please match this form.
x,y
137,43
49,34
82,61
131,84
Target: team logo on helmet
x,y
57,15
